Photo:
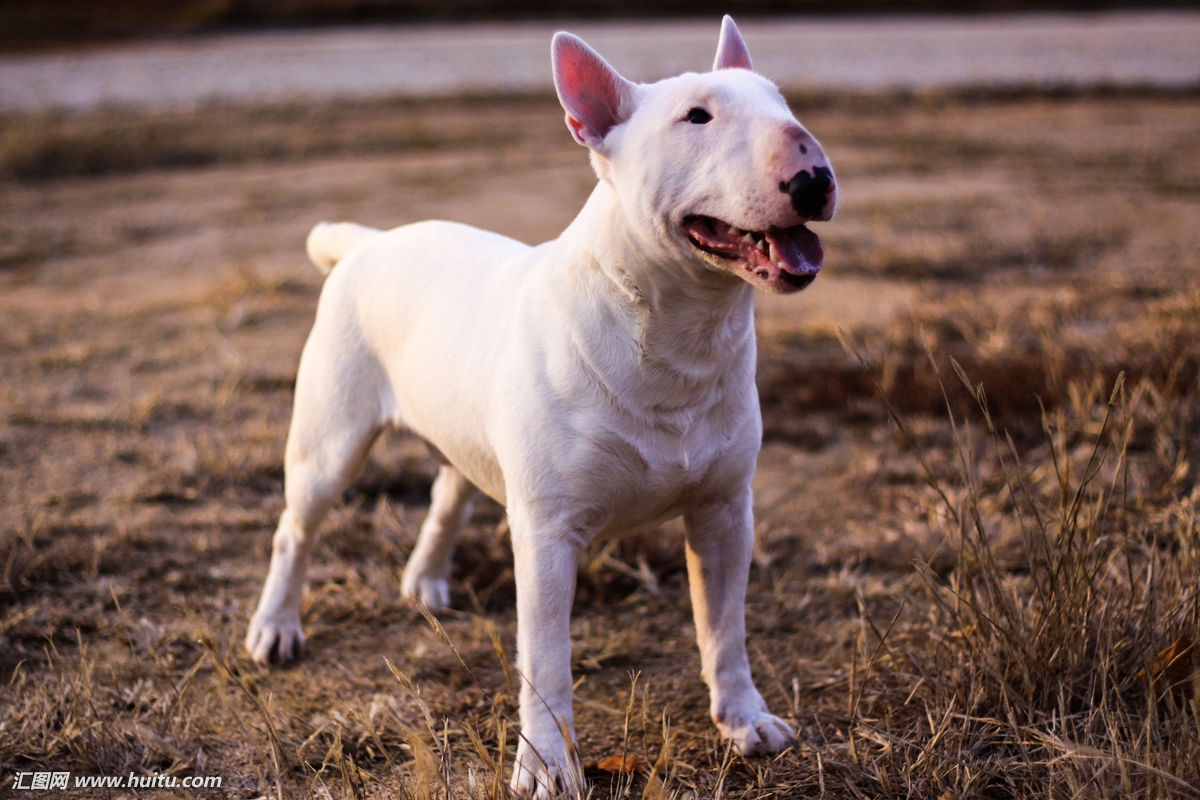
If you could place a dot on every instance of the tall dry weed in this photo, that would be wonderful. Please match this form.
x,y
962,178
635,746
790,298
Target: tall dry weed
x,y
1076,561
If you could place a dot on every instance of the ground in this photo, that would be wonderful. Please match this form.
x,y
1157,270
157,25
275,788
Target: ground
x,y
976,501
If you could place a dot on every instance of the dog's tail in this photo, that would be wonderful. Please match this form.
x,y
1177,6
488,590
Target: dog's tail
x,y
330,242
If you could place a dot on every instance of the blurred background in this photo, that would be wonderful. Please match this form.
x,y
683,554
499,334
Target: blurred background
x,y
979,475
24,24
73,56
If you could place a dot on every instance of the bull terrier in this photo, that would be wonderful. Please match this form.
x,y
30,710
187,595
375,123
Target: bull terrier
x,y
594,385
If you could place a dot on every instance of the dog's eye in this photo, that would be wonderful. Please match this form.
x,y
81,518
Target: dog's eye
x,y
698,116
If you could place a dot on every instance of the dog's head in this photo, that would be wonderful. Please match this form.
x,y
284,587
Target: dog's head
x,y
715,163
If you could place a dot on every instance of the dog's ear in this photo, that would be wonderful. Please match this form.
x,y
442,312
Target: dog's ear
x,y
732,52
594,96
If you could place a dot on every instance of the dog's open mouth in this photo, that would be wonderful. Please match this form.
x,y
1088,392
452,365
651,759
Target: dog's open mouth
x,y
786,258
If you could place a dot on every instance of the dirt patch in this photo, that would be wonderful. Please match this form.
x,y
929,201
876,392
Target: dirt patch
x,y
941,610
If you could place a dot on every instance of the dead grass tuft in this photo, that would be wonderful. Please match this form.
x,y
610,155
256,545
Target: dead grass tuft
x,y
1063,588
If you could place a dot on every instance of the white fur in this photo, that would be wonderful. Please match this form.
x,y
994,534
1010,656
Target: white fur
x,y
596,384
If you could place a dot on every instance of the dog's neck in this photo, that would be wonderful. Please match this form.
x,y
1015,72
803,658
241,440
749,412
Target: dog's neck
x,y
689,327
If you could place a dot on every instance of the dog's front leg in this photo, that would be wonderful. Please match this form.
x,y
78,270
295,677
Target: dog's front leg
x,y
720,541
544,564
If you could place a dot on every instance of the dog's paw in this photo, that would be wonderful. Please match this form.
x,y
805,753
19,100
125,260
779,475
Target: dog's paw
x,y
764,734
275,639
533,779
754,730
431,591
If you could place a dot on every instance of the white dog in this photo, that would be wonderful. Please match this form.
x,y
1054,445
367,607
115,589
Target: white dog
x,y
594,385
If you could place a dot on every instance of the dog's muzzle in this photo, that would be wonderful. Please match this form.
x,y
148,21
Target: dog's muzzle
x,y
809,192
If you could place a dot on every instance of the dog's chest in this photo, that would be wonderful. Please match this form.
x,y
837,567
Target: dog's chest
x,y
675,459
665,425
676,466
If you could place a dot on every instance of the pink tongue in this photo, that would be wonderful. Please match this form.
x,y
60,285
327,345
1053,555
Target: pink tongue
x,y
799,249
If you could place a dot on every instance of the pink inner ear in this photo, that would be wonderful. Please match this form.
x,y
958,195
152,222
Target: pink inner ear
x,y
588,88
577,128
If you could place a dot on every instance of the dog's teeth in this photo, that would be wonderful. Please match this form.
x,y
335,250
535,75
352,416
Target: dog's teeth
x,y
748,238
773,255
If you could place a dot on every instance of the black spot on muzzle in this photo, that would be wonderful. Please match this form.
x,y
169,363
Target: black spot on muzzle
x,y
809,193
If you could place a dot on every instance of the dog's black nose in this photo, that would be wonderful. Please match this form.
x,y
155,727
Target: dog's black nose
x,y
809,192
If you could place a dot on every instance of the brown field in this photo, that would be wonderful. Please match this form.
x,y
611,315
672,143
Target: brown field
x,y
977,498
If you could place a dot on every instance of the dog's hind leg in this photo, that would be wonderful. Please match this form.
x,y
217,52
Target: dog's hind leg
x,y
426,576
334,423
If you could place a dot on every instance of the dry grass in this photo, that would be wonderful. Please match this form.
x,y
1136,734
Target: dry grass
x,y
108,141
977,512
